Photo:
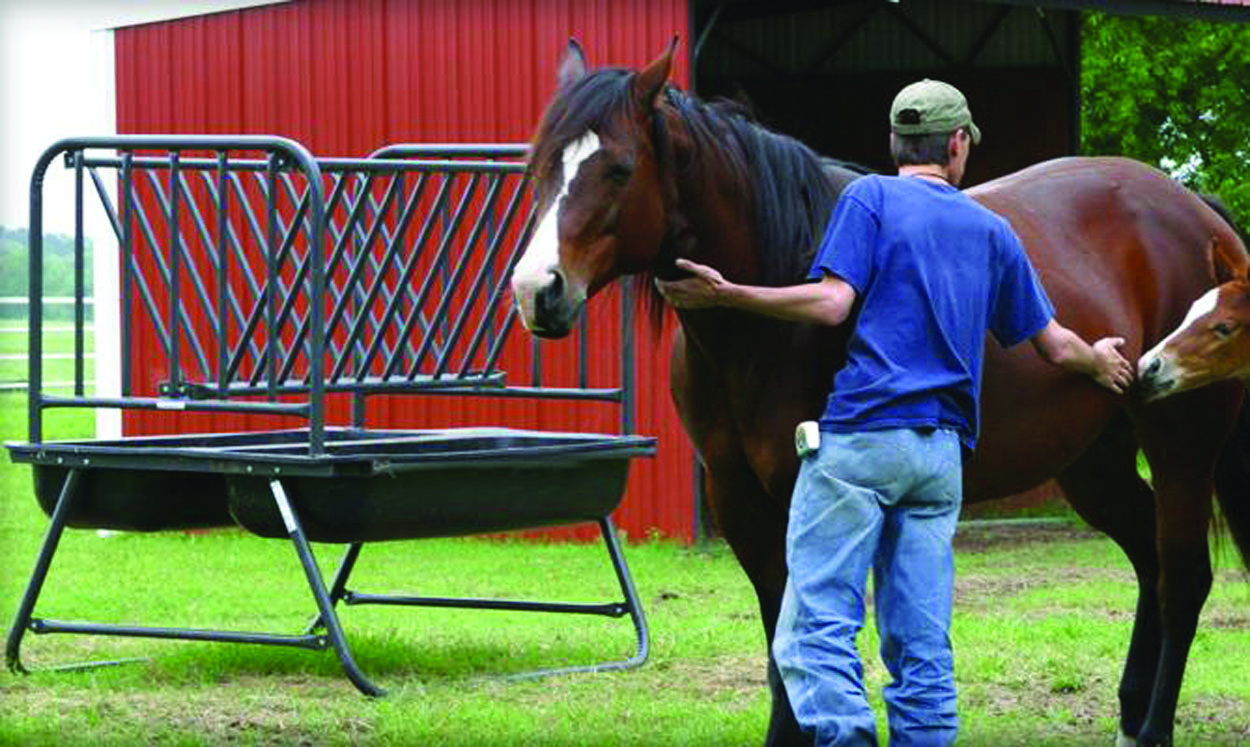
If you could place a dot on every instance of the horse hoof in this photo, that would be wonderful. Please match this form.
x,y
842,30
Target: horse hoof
x,y
1124,740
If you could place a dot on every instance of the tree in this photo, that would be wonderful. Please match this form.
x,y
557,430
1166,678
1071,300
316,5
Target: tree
x,y
1173,94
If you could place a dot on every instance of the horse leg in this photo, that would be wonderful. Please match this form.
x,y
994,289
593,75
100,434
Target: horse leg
x,y
1104,488
754,525
1182,441
1184,500
750,517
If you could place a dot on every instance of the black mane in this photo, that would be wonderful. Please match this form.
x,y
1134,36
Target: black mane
x,y
792,192
792,188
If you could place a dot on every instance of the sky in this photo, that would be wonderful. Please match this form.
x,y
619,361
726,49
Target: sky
x,y
56,81
51,86
56,73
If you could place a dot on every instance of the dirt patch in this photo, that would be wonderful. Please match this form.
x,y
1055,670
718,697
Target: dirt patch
x,y
978,590
228,715
977,537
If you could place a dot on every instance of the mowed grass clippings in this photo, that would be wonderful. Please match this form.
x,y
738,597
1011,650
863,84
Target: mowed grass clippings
x,y
1042,624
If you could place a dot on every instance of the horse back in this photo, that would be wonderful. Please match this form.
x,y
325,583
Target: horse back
x,y
1120,247
1122,250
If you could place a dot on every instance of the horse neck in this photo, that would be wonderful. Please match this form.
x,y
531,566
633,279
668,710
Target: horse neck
x,y
712,215
718,229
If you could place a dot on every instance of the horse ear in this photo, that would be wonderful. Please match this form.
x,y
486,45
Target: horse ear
x,y
573,66
650,81
1228,263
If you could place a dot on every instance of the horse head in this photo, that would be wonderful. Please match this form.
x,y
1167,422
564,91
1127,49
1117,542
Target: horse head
x,y
1212,344
598,190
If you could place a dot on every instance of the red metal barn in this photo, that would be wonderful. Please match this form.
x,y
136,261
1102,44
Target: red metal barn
x,y
345,77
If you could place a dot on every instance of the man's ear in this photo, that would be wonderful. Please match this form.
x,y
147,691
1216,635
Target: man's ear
x,y
952,144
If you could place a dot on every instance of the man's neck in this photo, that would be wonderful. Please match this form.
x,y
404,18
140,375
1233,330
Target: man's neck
x,y
932,172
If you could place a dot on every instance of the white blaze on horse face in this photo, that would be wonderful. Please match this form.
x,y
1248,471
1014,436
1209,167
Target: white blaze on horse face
x,y
1201,308
541,259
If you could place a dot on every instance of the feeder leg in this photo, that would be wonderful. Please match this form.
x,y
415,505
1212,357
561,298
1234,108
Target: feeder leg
x,y
631,596
338,587
324,605
60,514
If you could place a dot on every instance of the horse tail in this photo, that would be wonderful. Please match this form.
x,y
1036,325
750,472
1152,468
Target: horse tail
x,y
1232,483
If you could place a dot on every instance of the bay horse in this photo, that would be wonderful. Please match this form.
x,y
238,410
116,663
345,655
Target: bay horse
x,y
1211,344
630,173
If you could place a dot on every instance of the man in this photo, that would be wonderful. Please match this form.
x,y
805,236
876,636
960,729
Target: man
x,y
933,271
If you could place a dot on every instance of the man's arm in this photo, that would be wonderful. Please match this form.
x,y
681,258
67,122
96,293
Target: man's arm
x,y
827,302
1102,361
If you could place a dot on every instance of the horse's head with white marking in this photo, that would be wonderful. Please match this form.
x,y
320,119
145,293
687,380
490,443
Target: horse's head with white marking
x,y
600,209
1212,344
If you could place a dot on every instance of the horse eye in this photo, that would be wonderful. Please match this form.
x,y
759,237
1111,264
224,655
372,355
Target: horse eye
x,y
619,173
1223,329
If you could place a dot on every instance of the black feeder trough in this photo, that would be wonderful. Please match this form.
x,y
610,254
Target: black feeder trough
x,y
273,348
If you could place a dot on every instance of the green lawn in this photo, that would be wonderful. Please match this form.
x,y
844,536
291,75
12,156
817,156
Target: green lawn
x,y
1041,628
58,341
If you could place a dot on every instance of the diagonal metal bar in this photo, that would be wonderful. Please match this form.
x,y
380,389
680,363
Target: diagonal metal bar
x,y
302,267
294,195
356,271
403,286
252,319
438,260
485,328
276,259
179,315
496,350
337,294
105,202
380,266
180,252
343,254
220,193
444,192
474,291
391,194
452,281
393,245
145,295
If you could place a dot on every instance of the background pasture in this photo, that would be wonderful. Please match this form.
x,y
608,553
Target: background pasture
x,y
1042,618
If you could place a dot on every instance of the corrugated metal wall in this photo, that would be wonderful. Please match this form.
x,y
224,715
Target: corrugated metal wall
x,y
345,77
826,73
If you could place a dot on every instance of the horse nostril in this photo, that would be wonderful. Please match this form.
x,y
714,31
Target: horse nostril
x,y
1154,367
550,296
556,288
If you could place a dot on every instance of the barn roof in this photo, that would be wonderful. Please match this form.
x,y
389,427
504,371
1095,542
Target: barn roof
x,y
1213,10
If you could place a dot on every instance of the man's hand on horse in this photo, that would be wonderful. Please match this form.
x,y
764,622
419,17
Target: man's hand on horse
x,y
701,291
1113,370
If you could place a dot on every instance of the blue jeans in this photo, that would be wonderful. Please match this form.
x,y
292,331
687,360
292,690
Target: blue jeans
x,y
887,500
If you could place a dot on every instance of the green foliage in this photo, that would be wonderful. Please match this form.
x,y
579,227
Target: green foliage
x,y
58,271
58,263
1173,94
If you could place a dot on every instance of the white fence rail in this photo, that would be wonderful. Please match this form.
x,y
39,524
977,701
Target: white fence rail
x,y
14,327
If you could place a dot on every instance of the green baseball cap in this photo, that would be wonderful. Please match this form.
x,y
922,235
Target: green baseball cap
x,y
929,107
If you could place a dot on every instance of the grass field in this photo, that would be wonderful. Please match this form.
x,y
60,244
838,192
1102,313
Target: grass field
x,y
58,338
1042,623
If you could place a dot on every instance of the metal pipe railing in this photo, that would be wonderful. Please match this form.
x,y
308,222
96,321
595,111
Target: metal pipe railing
x,y
380,284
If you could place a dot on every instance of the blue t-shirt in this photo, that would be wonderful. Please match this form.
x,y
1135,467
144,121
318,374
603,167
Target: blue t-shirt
x,y
934,271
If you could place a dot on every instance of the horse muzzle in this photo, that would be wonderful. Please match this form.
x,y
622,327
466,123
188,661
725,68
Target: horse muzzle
x,y
547,310
1157,377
